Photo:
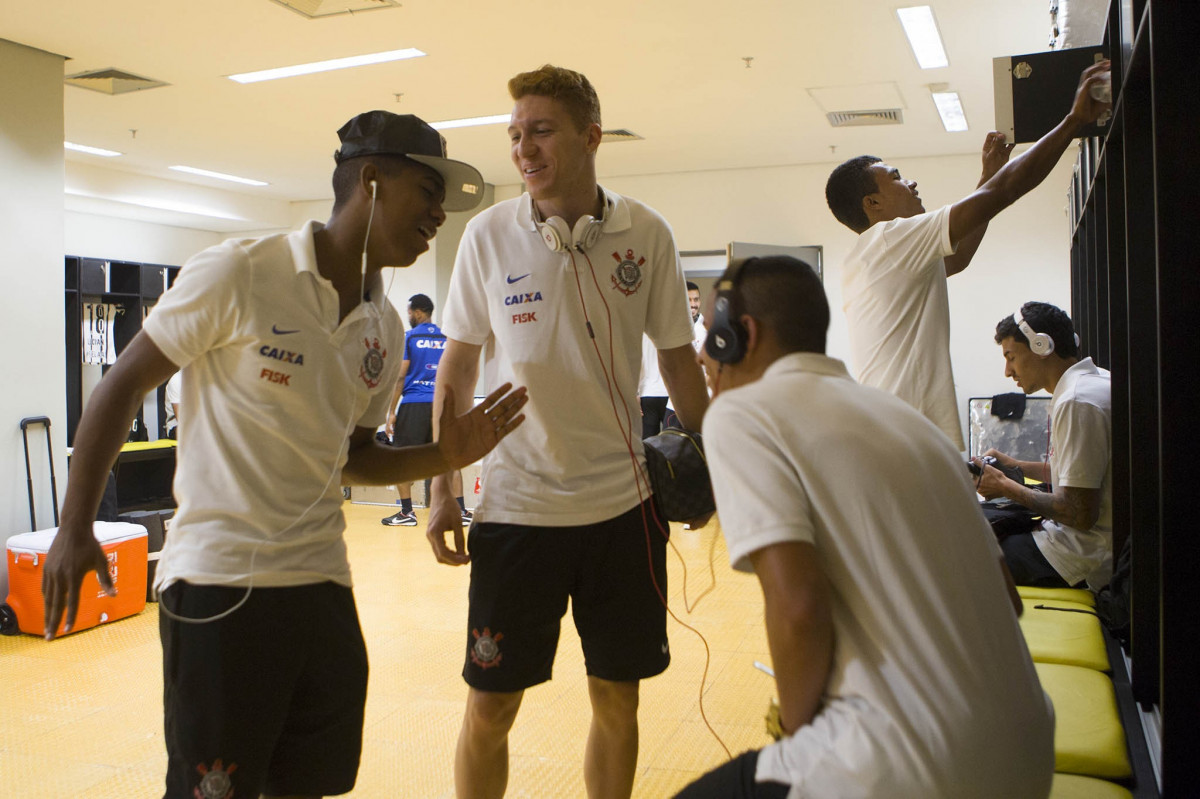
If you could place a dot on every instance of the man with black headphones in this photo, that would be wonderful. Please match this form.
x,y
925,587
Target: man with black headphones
x,y
894,278
290,350
555,289
900,667
1073,544
410,422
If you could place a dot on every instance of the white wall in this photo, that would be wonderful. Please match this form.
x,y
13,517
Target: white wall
x,y
1024,256
113,239
31,272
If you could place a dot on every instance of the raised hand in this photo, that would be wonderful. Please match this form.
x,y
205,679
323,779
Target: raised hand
x,y
995,153
462,440
1087,108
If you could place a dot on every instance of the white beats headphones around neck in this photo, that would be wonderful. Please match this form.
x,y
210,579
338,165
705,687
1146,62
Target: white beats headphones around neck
x,y
559,237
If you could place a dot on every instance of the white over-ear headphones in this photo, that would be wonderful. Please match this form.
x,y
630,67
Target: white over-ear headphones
x,y
1040,343
558,237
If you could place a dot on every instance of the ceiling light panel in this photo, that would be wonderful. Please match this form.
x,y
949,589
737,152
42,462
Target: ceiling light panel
x,y
468,122
922,31
191,170
327,66
83,148
950,109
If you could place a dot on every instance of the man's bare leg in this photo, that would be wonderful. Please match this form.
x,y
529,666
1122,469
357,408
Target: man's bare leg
x,y
481,760
610,761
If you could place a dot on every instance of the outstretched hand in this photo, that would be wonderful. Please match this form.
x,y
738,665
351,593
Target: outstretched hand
x,y
462,440
69,560
1087,108
996,151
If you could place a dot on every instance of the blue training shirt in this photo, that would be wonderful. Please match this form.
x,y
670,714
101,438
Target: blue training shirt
x,y
423,347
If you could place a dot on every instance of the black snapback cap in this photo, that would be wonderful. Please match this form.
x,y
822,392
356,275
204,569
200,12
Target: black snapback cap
x,y
385,133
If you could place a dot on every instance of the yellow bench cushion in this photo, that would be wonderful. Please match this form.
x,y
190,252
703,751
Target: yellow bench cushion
x,y
1064,632
1080,595
1073,786
1088,738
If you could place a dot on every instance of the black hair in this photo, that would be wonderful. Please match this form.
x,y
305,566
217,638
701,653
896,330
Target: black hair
x,y
421,302
692,286
345,174
785,294
848,184
1043,318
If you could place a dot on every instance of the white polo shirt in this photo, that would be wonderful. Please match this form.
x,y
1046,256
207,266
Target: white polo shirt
x,y
898,313
172,399
1081,457
931,691
274,385
651,383
569,463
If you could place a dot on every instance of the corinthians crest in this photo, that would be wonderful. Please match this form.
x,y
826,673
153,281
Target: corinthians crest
x,y
485,652
215,782
627,278
372,363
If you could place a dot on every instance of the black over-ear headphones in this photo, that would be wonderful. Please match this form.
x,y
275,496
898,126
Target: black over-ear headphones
x,y
559,237
726,341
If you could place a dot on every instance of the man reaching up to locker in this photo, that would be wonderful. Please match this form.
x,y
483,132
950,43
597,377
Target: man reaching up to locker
x,y
290,351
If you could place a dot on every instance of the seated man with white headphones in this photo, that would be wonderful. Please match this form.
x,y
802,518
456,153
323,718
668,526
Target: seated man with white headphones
x,y
1073,544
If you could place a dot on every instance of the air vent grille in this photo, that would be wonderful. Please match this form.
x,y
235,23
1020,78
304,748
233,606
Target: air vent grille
x,y
112,81
619,134
315,9
848,119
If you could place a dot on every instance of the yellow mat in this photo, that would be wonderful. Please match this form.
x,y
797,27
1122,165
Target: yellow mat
x,y
1080,595
1064,632
1073,786
1088,737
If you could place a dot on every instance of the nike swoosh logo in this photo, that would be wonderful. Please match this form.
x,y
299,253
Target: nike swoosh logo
x,y
279,332
512,279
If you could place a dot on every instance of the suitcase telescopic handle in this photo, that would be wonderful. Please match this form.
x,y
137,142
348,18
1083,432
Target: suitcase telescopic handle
x,y
25,423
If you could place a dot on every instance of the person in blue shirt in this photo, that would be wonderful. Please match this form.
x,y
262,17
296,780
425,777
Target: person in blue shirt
x,y
410,421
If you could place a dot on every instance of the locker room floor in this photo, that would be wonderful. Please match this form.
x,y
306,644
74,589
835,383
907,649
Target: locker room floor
x,y
82,716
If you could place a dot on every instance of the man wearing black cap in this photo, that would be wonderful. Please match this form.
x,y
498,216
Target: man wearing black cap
x,y
290,351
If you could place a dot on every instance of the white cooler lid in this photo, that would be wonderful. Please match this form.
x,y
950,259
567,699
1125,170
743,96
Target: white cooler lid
x,y
39,541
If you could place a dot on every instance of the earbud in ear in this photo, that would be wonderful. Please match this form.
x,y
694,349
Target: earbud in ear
x,y
374,189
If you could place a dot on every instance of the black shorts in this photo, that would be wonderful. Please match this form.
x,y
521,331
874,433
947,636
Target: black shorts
x,y
521,578
414,424
1027,564
268,699
734,780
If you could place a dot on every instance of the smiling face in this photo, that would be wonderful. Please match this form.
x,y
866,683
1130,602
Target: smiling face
x,y
1023,366
554,158
408,212
694,303
896,197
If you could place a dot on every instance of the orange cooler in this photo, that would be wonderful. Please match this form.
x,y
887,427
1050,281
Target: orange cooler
x,y
124,544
